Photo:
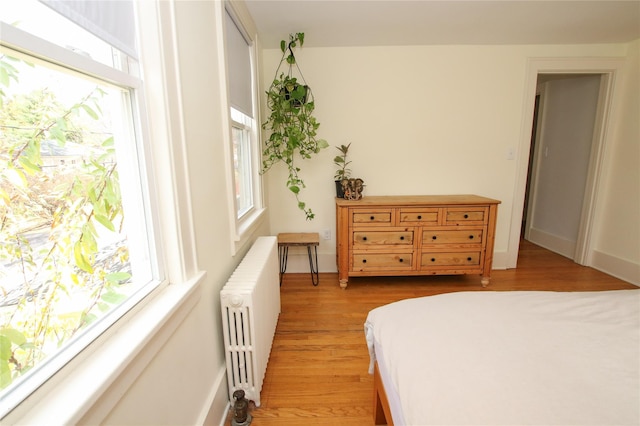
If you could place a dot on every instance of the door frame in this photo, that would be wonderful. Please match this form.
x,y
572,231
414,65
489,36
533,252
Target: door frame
x,y
610,69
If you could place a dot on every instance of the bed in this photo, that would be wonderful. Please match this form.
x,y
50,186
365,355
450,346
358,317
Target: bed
x,y
507,358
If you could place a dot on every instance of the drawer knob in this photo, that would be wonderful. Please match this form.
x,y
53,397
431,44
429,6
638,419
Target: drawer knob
x,y
466,216
434,238
433,259
402,237
469,259
372,217
401,260
419,217
364,238
364,260
471,237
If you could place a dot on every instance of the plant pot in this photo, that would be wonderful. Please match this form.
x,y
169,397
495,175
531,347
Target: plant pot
x,y
296,94
339,190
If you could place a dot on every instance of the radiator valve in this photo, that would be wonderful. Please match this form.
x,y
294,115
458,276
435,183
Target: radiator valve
x,y
241,416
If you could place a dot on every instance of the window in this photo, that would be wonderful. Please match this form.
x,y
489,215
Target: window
x,y
244,135
242,129
76,245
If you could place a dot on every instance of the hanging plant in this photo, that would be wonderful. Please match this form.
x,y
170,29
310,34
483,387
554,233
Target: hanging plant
x,y
292,124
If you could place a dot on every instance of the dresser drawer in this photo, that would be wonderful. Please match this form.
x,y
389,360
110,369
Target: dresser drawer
x,y
423,216
437,237
438,259
381,217
466,215
388,261
370,239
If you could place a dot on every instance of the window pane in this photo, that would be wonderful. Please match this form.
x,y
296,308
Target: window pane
x,y
242,169
68,253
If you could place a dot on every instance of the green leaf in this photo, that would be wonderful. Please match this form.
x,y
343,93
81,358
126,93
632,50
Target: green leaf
x,y
294,189
322,144
4,77
104,221
81,260
88,318
113,297
5,348
5,374
14,335
28,166
89,111
117,277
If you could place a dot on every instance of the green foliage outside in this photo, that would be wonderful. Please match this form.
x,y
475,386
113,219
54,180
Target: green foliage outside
x,y
53,286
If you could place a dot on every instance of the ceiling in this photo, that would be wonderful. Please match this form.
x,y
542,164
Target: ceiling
x,y
331,23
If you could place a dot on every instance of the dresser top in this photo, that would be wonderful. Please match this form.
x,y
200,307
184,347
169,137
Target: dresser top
x,y
409,200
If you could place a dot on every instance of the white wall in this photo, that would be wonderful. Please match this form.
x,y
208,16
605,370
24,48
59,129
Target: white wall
x,y
186,378
617,242
422,120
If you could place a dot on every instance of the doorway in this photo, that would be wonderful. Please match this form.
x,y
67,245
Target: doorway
x,y
608,69
564,125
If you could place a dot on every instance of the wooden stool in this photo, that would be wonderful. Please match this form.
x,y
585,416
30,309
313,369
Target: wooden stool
x,y
286,240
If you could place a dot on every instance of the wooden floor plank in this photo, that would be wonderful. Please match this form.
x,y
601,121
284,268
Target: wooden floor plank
x,y
317,372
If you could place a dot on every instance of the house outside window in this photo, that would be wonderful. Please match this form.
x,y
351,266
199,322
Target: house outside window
x,y
76,243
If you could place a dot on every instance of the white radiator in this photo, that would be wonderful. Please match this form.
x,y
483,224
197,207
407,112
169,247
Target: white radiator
x,y
250,303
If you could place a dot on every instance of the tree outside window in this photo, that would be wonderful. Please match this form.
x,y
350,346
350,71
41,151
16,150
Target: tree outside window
x,y
64,251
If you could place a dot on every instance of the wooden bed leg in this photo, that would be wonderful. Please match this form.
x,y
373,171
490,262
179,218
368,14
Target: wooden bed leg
x,y
381,409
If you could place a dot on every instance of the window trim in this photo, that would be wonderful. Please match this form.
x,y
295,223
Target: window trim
x,y
242,228
19,43
73,390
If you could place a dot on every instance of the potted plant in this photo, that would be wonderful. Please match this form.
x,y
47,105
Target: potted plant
x,y
291,122
343,172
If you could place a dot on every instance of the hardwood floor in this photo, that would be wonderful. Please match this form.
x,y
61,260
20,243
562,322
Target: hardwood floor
x,y
317,372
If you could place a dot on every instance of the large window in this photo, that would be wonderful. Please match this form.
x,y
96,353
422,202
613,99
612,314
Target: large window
x,y
76,245
244,135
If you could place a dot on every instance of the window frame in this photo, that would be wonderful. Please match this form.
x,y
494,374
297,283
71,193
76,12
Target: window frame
x,y
246,128
22,44
243,227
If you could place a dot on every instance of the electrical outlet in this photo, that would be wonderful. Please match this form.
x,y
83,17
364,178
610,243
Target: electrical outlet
x,y
326,234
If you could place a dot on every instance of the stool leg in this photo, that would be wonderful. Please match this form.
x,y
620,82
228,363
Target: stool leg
x,y
315,278
283,254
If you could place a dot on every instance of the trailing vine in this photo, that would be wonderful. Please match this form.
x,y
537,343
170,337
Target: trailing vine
x,y
292,124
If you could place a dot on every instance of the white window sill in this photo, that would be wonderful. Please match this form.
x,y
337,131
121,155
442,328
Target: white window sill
x,y
73,390
247,228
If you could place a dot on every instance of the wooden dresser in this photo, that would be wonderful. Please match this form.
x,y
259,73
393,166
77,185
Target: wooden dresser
x,y
415,235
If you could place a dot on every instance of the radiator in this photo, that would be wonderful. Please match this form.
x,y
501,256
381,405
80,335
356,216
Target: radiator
x,y
250,303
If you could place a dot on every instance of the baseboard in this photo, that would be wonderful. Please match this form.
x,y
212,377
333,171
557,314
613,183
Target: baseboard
x,y
552,242
619,268
299,262
500,260
217,407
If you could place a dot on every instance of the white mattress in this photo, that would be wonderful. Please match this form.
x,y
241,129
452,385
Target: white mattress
x,y
510,358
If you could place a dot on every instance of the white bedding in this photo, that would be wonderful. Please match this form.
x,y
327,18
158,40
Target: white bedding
x,y
510,358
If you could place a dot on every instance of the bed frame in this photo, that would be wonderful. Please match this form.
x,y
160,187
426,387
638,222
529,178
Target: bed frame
x,y
381,409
